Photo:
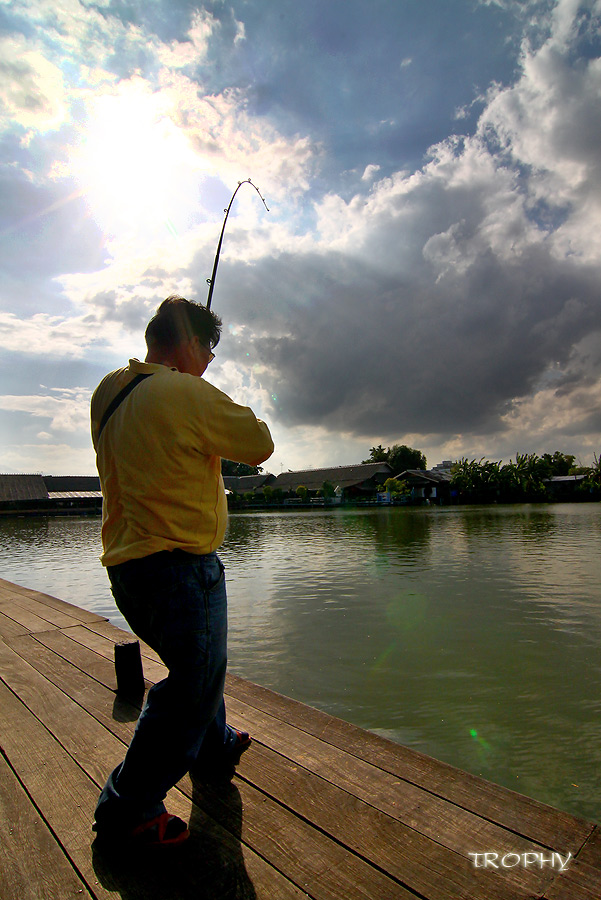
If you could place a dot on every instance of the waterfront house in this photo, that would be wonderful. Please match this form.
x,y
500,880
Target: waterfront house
x,y
357,482
566,487
49,494
429,485
247,484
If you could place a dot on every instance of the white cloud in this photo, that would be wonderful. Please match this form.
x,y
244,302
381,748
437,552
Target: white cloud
x,y
370,172
235,144
70,411
179,54
550,121
45,335
47,459
32,91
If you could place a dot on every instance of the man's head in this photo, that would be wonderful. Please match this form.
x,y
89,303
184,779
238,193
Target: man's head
x,y
182,334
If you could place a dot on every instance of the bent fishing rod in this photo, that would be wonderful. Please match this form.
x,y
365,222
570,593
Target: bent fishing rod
x,y
211,280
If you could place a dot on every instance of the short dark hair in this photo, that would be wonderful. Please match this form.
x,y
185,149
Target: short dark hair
x,y
177,320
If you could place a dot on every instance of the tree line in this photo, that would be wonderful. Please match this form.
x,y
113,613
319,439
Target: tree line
x,y
399,457
525,478
484,481
476,481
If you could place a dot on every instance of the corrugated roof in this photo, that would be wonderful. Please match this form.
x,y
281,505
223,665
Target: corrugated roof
x,y
340,476
56,483
244,483
426,475
22,487
75,495
559,479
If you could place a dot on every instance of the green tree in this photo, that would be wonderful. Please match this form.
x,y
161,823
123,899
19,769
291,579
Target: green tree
x,y
592,482
229,467
397,487
401,457
477,481
523,479
302,492
328,489
558,463
376,454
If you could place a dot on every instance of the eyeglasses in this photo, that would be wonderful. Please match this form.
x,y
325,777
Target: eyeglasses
x,y
210,352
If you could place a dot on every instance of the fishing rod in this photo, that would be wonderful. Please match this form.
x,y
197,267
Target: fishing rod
x,y
211,280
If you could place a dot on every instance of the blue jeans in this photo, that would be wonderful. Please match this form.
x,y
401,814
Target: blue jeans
x,y
175,602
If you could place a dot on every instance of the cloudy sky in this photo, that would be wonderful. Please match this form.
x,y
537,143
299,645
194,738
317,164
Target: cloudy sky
x,y
429,270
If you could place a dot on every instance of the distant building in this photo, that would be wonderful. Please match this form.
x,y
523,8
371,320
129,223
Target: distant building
x,y
429,485
351,482
49,494
245,484
566,487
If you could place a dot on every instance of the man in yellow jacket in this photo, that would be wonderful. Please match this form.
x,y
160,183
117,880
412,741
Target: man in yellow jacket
x,y
159,431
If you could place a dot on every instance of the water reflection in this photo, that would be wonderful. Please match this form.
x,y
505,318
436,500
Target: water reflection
x,y
472,634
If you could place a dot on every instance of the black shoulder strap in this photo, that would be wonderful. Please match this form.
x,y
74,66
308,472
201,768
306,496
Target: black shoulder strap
x,y
119,399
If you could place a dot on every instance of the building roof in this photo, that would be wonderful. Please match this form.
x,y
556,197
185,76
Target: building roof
x,y
339,476
443,475
242,484
61,483
22,487
75,495
562,479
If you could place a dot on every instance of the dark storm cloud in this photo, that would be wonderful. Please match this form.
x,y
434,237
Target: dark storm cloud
x,y
361,352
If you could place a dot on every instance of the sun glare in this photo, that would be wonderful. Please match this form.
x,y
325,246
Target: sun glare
x,y
136,168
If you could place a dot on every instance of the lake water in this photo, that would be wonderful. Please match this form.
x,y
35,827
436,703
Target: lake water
x,y
472,634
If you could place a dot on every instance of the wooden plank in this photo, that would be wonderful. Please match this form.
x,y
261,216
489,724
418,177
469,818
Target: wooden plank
x,y
211,860
349,829
444,822
527,817
306,853
368,832
579,882
55,617
62,774
90,638
9,628
32,863
79,683
87,660
30,621
58,786
325,869
114,634
437,875
386,837
591,852
337,813
74,727
448,823
82,615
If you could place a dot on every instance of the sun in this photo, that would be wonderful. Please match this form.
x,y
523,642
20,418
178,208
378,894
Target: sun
x,y
136,168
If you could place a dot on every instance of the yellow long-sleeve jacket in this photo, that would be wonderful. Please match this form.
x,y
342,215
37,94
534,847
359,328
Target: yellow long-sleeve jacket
x,y
159,460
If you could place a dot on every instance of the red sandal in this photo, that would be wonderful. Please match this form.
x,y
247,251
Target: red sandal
x,y
162,831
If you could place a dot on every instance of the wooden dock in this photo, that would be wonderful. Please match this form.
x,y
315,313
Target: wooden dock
x,y
319,808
